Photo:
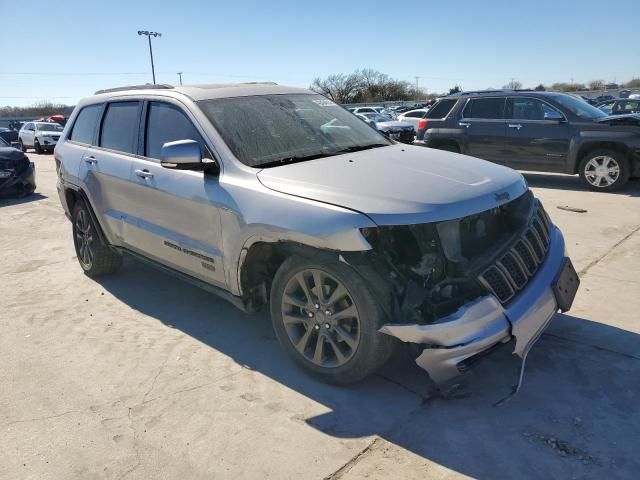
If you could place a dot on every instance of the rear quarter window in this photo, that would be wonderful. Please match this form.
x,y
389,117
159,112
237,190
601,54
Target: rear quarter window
x,y
441,109
84,128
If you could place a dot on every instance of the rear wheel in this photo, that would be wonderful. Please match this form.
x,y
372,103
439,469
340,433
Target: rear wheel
x,y
37,147
327,320
604,170
95,257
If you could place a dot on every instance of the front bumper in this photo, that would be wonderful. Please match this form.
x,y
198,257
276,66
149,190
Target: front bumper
x,y
484,323
21,183
47,143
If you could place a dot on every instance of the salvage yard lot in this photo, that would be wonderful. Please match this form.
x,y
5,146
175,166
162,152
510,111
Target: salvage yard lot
x,y
139,375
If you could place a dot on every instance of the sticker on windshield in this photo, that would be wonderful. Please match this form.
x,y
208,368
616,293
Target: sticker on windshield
x,y
325,103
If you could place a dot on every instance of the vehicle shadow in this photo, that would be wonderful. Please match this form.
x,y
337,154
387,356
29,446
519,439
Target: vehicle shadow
x,y
9,201
576,415
573,182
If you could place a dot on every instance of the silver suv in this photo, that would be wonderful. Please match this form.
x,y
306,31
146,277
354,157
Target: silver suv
x,y
275,196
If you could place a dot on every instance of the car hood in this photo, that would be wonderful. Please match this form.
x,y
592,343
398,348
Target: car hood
x,y
400,184
624,119
394,124
11,154
48,133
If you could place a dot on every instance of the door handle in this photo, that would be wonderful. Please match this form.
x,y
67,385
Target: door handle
x,y
91,160
143,173
464,124
517,126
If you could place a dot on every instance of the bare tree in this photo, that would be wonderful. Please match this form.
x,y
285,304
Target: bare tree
x,y
340,88
513,84
596,84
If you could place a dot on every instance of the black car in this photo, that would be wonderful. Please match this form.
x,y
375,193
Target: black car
x,y
17,173
8,135
542,131
620,106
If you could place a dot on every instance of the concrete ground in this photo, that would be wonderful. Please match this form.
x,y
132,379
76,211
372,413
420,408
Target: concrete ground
x,y
139,375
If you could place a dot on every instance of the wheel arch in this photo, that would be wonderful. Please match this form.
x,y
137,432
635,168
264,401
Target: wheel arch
x,y
72,195
590,146
260,260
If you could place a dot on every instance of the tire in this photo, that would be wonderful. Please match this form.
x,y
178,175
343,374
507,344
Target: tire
x,y
22,147
593,174
95,257
351,347
37,147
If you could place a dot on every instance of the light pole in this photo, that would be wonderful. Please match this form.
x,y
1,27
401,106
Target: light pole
x,y
180,75
149,35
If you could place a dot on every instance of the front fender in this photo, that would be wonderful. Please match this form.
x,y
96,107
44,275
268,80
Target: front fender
x,y
263,215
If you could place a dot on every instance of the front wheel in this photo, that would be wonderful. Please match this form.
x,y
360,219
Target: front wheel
x,y
22,147
37,147
604,170
95,257
327,319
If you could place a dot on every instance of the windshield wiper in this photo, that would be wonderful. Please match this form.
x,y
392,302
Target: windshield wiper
x,y
359,148
293,159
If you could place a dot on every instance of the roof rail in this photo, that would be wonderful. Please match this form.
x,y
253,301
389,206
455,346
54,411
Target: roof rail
x,y
148,86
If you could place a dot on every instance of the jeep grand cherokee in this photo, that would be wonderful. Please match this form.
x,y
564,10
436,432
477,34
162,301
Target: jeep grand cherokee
x,y
275,196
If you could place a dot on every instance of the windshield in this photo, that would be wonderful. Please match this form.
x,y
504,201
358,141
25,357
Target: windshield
x,y
49,127
265,129
579,107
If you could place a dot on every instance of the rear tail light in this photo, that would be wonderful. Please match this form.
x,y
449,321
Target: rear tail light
x,y
422,124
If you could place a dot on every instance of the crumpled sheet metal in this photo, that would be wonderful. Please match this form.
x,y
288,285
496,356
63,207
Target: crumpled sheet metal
x,y
472,329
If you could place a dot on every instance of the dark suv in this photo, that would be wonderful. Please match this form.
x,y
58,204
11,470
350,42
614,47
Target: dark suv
x,y
543,131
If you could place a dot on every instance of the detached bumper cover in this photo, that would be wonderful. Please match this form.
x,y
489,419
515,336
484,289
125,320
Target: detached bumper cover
x,y
484,323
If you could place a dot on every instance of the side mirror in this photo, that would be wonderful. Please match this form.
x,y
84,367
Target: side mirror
x,y
186,155
553,116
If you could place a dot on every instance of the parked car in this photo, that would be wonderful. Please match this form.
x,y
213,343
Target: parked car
x,y
41,136
541,131
401,131
367,110
8,135
604,98
351,240
620,106
413,116
17,173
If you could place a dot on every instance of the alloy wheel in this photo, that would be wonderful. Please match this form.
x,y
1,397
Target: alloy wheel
x,y
602,171
84,239
320,318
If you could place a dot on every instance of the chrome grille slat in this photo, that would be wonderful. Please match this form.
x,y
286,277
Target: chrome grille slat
x,y
512,271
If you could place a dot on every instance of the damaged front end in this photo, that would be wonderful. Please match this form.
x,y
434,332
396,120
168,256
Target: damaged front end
x,y
459,288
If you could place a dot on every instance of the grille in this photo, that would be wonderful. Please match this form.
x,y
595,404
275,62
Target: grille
x,y
512,271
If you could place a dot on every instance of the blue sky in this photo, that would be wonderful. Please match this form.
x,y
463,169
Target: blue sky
x,y
65,50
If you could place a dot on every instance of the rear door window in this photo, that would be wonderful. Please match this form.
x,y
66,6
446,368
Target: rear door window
x,y
167,123
120,127
441,109
414,114
485,108
84,128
